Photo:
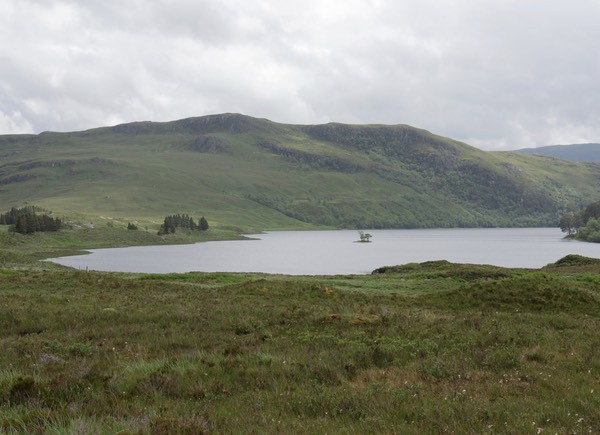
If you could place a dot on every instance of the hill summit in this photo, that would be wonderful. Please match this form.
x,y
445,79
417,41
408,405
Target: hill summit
x,y
254,173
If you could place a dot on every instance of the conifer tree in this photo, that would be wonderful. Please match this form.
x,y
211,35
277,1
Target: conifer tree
x,y
184,221
26,220
203,224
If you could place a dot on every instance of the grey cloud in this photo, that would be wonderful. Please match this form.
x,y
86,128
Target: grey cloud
x,y
496,74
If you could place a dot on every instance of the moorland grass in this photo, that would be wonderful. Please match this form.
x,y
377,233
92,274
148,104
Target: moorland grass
x,y
424,351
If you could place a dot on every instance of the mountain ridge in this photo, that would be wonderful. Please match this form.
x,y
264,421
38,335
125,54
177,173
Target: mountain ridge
x,y
255,173
577,152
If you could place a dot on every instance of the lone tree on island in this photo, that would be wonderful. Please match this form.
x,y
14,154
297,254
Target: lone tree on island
x,y
364,237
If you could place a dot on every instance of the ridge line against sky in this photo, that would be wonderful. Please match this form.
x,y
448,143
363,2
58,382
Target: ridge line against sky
x,y
497,74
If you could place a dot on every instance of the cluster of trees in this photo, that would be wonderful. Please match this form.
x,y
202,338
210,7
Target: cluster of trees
x,y
583,225
591,231
28,220
171,223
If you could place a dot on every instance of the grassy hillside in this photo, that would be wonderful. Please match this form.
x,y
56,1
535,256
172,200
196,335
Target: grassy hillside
x,y
421,348
254,174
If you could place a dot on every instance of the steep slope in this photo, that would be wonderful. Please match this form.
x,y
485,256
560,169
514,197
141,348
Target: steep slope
x,y
254,173
589,152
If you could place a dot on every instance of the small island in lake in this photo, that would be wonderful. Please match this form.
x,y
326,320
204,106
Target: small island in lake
x,y
364,237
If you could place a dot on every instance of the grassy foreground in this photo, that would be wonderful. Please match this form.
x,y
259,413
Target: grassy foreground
x,y
427,348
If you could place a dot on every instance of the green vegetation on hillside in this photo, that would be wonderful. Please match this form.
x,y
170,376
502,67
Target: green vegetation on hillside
x,y
256,174
421,348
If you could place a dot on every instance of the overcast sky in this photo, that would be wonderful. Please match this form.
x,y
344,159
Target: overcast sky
x,y
497,74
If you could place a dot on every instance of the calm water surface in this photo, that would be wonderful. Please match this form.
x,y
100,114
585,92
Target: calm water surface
x,y
335,252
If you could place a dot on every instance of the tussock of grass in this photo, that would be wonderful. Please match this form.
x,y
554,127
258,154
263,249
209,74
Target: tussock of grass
x,y
576,260
575,263
530,292
445,269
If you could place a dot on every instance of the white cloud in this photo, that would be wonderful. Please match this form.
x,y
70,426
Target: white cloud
x,y
14,123
496,74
